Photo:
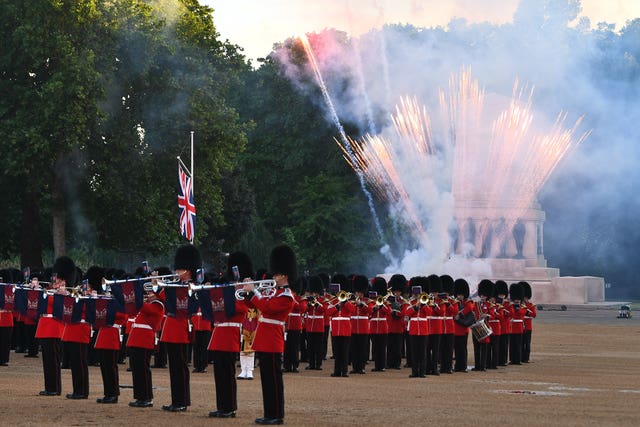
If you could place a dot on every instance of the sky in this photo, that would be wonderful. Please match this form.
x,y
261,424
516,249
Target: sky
x,y
256,25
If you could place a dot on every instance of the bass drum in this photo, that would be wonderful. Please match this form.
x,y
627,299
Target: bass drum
x,y
480,330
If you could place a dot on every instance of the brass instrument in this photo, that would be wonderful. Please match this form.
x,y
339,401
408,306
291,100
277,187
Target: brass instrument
x,y
106,284
425,298
380,300
266,287
343,296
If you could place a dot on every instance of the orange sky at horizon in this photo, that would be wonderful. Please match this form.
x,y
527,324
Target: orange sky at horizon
x,y
256,25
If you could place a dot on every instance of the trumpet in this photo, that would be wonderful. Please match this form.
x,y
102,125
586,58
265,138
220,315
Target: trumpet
x,y
266,287
157,284
312,300
381,299
343,296
106,284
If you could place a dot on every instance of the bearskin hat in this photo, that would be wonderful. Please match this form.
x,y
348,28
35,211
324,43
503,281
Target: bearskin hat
x,y
244,264
315,284
283,261
515,292
163,270
485,287
526,289
326,279
461,287
435,284
94,276
188,258
447,284
340,279
379,285
360,284
65,268
398,282
14,276
261,274
501,288
300,285
418,281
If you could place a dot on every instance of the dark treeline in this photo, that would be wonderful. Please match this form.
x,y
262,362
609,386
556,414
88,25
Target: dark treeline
x,y
98,99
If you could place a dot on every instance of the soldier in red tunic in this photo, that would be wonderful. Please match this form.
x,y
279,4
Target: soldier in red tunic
x,y
461,332
225,342
50,329
378,325
140,345
314,323
528,321
360,325
293,330
451,309
398,283
269,340
176,328
419,312
516,295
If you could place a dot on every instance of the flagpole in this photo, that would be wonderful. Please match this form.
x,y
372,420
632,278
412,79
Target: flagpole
x,y
193,174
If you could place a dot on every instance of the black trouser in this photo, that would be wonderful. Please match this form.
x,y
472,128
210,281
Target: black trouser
x,y
526,346
446,353
179,374
406,347
141,372
504,350
77,354
394,350
341,355
224,375
515,349
493,352
200,352
160,355
93,359
30,339
418,355
124,350
479,355
304,346
359,351
51,364
272,384
5,343
292,350
325,342
460,347
109,371
379,346
18,337
433,353
314,351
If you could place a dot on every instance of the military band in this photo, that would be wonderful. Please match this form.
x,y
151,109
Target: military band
x,y
363,316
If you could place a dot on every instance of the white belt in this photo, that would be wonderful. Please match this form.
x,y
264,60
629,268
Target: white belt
x,y
448,318
132,319
5,311
47,315
495,320
315,317
294,314
528,317
360,317
517,320
378,319
141,326
419,319
272,321
230,324
340,318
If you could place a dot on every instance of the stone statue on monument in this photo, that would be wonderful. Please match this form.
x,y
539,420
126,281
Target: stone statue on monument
x,y
519,231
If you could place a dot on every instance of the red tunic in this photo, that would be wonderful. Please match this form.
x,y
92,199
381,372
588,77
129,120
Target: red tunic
x,y
532,312
464,307
147,322
495,322
481,308
396,322
314,318
436,321
505,322
418,314
378,324
109,337
226,333
450,313
294,320
517,321
341,319
360,318
48,326
200,323
273,314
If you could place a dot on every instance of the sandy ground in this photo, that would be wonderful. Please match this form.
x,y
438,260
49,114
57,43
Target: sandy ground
x,y
585,370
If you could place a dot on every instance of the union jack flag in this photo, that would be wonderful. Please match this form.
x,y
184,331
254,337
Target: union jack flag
x,y
186,205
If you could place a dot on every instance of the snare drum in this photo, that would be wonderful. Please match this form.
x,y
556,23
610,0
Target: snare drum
x,y
480,330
